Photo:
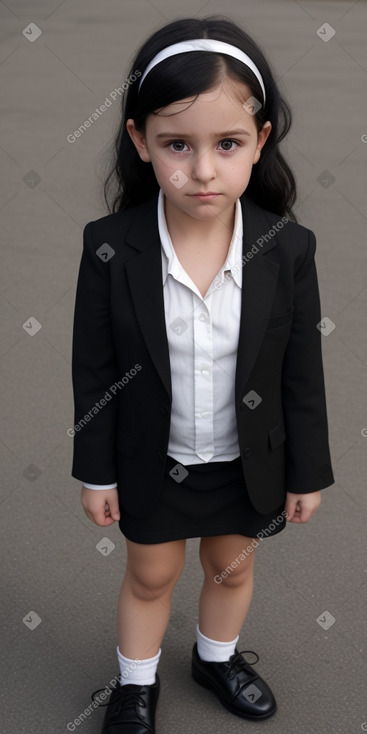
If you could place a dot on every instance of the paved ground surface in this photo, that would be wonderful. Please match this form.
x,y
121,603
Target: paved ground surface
x,y
50,564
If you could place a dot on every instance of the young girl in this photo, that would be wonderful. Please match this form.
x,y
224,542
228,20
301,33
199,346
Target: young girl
x,y
198,379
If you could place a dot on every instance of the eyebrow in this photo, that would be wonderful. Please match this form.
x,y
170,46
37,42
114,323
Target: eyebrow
x,y
215,135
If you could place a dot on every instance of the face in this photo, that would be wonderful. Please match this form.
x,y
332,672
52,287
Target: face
x,y
211,145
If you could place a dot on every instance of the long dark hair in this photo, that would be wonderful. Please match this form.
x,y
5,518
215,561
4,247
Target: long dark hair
x,y
130,180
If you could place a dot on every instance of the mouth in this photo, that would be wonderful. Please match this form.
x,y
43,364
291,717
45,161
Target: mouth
x,y
208,195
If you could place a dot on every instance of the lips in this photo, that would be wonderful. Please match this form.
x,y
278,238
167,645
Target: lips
x,y
205,197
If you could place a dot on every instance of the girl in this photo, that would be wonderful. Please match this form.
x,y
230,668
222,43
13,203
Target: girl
x,y
198,379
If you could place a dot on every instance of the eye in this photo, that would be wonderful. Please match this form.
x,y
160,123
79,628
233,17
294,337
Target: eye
x,y
176,142
229,140
225,140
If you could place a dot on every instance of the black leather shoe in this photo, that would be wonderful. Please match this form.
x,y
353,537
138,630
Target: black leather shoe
x,y
131,709
236,684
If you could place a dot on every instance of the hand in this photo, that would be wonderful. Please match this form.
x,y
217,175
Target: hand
x,y
300,507
101,506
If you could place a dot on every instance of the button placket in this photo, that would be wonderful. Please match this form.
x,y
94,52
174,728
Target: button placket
x,y
203,380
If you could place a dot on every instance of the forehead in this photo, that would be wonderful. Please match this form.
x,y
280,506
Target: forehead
x,y
216,108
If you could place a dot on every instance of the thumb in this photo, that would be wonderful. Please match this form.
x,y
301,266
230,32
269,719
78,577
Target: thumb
x,y
114,508
290,506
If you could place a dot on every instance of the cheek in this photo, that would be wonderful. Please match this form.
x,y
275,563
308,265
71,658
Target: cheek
x,y
163,163
242,167
160,167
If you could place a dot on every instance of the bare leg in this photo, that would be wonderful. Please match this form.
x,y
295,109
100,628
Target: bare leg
x,y
224,602
144,605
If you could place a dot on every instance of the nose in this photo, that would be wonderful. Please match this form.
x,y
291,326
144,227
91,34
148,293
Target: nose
x,y
203,166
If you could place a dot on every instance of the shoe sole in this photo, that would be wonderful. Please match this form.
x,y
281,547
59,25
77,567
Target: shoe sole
x,y
203,681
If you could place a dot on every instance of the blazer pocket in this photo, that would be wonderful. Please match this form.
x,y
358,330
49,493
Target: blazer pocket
x,y
125,443
277,435
280,320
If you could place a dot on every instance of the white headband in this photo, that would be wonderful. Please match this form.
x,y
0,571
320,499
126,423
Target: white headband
x,y
205,44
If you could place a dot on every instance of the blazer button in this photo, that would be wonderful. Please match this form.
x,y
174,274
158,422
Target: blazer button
x,y
246,452
163,410
159,455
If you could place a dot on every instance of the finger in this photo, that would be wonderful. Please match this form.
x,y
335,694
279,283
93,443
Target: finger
x,y
102,520
297,519
114,509
99,517
103,515
303,515
306,513
290,507
296,512
111,512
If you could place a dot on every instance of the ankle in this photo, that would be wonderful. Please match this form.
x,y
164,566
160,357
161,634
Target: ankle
x,y
139,672
214,651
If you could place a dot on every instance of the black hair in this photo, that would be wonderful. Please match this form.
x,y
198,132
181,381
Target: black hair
x,y
130,180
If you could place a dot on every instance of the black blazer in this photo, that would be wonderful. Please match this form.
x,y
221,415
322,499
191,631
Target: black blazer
x,y
120,332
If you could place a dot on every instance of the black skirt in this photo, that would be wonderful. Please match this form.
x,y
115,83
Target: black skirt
x,y
202,500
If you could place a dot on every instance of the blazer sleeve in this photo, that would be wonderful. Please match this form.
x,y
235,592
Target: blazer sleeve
x,y
94,370
308,461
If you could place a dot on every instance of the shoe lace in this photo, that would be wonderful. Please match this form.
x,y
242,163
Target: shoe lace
x,y
237,663
129,696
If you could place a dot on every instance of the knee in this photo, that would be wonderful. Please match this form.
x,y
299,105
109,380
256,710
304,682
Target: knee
x,y
153,582
233,577
235,574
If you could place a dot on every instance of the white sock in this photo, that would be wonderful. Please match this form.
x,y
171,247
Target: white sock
x,y
139,672
213,651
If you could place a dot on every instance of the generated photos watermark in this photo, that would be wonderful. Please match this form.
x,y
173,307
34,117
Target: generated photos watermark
x,y
118,385
250,548
105,692
98,112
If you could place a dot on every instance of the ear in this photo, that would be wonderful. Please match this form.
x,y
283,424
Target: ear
x,y
261,139
138,140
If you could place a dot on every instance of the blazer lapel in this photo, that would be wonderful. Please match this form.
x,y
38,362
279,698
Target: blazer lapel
x,y
259,278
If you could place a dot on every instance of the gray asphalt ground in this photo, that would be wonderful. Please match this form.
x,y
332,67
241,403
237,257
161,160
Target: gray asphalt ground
x,y
52,571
